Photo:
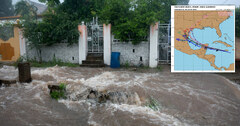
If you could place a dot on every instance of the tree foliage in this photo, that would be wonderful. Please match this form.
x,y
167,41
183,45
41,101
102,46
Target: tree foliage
x,y
6,8
26,10
131,18
30,25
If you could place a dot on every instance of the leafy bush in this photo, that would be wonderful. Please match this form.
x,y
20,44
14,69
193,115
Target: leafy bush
x,y
57,94
126,65
62,86
153,104
159,68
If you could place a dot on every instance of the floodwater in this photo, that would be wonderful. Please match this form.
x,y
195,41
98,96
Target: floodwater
x,y
184,99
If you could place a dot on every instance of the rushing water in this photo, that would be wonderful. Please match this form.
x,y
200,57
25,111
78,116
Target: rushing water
x,y
185,99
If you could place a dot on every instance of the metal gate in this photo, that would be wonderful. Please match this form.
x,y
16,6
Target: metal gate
x,y
95,37
164,40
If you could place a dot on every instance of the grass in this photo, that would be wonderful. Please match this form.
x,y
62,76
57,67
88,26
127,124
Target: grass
x,y
159,68
53,62
153,104
126,65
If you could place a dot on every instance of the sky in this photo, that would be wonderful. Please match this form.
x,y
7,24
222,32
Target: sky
x,y
235,2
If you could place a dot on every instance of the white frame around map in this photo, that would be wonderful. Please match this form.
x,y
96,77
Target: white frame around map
x,y
197,8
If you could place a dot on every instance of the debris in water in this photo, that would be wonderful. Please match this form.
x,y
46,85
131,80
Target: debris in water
x,y
7,82
117,97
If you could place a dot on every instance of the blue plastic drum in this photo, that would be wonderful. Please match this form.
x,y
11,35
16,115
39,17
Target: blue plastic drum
x,y
115,60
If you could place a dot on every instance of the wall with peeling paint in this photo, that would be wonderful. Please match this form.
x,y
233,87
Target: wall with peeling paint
x,y
10,49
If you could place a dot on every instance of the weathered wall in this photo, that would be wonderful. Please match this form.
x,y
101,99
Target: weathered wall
x,y
10,49
131,53
61,51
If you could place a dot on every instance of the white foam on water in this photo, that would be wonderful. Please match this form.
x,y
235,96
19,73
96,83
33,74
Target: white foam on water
x,y
51,71
73,105
111,79
100,81
90,118
231,82
155,117
2,104
8,72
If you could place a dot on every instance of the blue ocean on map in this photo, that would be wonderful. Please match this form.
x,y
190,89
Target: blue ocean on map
x,y
185,62
208,36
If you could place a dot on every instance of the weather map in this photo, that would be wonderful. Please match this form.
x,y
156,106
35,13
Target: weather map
x,y
202,38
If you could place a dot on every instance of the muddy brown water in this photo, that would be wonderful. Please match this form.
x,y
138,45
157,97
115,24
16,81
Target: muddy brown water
x,y
185,99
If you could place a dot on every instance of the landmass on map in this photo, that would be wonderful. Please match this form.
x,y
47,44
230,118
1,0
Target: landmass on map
x,y
189,20
224,43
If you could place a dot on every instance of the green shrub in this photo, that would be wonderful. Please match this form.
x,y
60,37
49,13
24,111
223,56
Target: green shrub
x,y
126,65
62,86
57,94
159,68
54,62
153,104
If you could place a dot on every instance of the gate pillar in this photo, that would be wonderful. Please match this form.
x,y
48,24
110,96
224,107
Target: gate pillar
x,y
107,44
82,42
153,54
22,42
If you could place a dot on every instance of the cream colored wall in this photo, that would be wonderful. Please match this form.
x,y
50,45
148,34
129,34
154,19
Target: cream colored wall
x,y
14,42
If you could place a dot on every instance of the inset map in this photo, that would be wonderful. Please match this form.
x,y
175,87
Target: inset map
x,y
203,38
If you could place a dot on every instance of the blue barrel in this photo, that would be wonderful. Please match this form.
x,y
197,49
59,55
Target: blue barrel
x,y
115,60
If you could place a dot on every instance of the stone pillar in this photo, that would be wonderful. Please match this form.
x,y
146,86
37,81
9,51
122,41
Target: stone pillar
x,y
22,42
24,72
107,44
154,52
82,42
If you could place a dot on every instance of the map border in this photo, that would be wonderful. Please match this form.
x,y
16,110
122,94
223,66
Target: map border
x,y
195,8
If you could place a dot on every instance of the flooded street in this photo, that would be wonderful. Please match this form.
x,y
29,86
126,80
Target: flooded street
x,y
184,99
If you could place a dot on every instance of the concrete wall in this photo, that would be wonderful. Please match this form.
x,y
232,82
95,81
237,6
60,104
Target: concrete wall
x,y
131,53
61,51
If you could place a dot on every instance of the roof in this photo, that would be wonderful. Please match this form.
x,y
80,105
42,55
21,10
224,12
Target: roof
x,y
41,8
14,17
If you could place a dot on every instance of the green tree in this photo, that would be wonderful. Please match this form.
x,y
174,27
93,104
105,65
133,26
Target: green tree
x,y
6,8
50,3
131,18
30,25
